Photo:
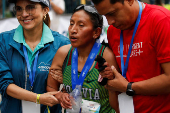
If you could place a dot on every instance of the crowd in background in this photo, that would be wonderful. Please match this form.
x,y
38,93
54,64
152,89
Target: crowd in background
x,y
71,4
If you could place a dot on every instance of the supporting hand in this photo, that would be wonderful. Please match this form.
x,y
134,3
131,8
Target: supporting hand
x,y
107,72
64,99
57,75
119,83
49,98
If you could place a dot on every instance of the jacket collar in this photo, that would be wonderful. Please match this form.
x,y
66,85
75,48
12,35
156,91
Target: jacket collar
x,y
18,38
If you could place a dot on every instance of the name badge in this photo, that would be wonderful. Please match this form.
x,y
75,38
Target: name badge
x,y
125,103
30,107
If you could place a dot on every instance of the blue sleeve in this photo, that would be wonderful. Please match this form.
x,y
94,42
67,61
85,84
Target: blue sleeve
x,y
5,74
67,41
60,40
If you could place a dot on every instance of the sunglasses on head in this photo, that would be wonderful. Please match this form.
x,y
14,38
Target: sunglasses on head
x,y
30,9
89,9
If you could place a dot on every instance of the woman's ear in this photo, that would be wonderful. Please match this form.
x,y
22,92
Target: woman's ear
x,y
130,2
97,32
46,10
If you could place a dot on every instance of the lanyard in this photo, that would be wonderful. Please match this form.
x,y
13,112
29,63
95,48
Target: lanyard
x,y
31,73
124,68
88,64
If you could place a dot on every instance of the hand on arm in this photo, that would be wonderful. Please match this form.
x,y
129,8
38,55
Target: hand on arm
x,y
108,73
64,100
49,98
153,86
53,85
156,85
55,77
22,94
110,60
119,83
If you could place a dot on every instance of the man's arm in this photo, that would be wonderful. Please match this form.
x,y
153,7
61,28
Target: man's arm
x,y
57,9
156,85
153,86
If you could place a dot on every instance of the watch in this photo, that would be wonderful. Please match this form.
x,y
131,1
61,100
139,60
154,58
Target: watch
x,y
129,90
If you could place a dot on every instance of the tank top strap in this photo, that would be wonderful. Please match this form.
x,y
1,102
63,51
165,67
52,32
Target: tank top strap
x,y
70,56
101,54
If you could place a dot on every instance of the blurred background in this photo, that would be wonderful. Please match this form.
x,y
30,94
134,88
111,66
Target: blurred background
x,y
6,8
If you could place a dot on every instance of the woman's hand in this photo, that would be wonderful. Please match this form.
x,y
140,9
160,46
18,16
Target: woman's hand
x,y
57,75
107,72
49,98
119,83
64,99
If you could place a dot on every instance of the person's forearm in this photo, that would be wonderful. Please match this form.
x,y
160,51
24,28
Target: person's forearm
x,y
20,93
49,88
154,86
113,100
57,9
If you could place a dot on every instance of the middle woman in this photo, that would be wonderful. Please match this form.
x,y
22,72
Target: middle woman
x,y
77,60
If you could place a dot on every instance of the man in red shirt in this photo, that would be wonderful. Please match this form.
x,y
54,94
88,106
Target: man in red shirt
x,y
140,39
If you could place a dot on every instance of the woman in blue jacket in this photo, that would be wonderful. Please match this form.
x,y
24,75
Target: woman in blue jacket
x,y
26,54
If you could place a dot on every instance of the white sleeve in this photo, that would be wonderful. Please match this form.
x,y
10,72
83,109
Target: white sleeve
x,y
60,3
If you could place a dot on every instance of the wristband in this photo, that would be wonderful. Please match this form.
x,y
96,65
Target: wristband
x,y
38,98
48,109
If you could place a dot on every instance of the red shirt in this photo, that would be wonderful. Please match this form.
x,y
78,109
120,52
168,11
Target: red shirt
x,y
151,47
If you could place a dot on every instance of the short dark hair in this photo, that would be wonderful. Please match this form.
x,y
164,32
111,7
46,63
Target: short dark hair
x,y
111,1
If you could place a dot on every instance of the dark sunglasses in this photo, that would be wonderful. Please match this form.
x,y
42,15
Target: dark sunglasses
x,y
30,9
89,9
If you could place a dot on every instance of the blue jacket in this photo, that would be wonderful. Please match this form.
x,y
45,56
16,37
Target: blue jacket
x,y
13,68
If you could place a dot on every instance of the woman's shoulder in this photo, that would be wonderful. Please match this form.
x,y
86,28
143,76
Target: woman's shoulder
x,y
7,33
108,53
60,56
7,36
59,38
58,35
65,48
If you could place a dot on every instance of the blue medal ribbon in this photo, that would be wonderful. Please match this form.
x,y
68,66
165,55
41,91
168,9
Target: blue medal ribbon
x,y
87,66
124,68
31,73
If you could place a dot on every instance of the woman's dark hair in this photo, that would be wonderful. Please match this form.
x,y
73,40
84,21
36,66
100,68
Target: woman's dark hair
x,y
96,18
47,19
